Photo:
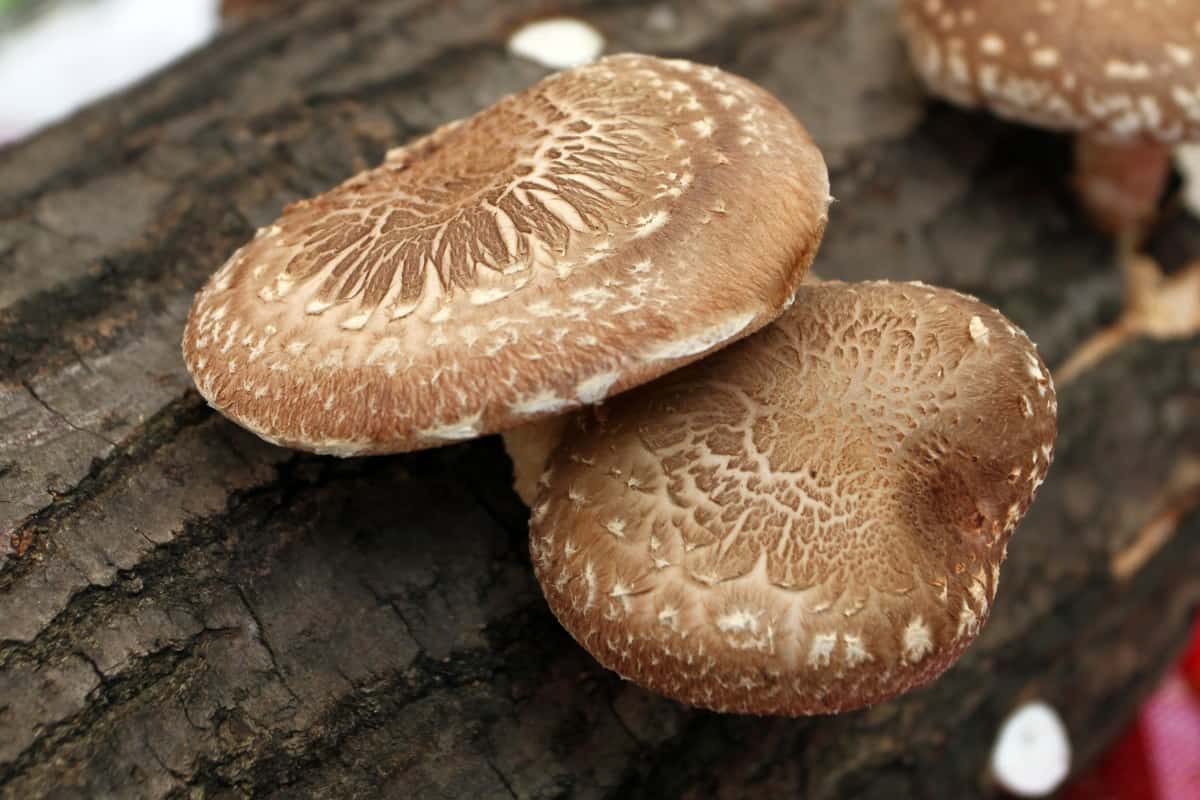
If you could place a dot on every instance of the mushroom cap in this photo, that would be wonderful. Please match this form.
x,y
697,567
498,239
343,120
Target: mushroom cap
x,y
810,520
592,232
1118,68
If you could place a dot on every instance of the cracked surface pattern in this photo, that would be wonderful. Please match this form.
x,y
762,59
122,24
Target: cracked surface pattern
x,y
1123,68
811,520
580,237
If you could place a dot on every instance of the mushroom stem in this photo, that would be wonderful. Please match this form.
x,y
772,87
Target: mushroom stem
x,y
1121,182
529,446
1092,351
1156,305
1153,536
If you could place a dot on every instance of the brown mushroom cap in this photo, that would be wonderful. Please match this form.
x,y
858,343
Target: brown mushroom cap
x,y
581,237
810,520
1121,68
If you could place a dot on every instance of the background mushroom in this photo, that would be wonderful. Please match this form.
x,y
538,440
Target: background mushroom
x,y
1123,75
581,237
810,520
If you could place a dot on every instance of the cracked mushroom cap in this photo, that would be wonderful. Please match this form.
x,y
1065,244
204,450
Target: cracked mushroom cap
x,y
810,520
581,237
1120,68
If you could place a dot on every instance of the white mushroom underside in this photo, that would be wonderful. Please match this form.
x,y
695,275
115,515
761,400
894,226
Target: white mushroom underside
x,y
529,446
557,43
1032,754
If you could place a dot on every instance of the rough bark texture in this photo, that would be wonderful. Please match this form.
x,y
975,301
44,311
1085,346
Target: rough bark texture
x,y
187,611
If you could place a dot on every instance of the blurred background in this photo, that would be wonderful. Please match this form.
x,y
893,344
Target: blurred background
x,y
56,55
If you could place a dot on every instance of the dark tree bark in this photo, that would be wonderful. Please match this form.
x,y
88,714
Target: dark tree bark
x,y
188,611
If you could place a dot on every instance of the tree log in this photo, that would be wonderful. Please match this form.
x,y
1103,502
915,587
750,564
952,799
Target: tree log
x,y
187,611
